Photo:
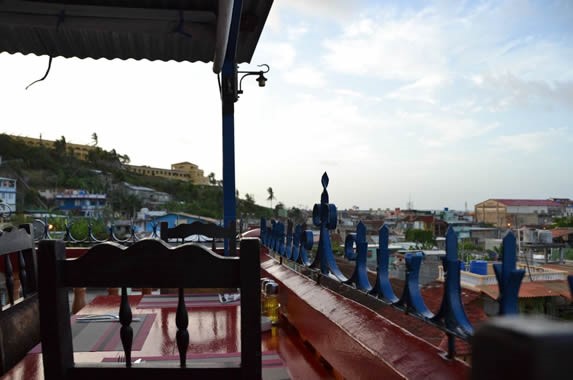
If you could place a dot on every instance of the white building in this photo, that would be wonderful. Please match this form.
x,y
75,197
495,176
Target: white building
x,y
8,192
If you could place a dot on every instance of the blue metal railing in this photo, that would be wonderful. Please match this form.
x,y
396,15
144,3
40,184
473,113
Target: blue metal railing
x,y
295,243
112,235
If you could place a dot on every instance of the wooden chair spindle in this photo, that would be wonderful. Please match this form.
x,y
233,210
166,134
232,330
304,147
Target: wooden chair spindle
x,y
9,273
23,274
126,332
182,321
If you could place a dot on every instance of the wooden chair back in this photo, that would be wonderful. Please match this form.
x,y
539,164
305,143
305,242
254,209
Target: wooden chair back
x,y
146,263
210,230
19,321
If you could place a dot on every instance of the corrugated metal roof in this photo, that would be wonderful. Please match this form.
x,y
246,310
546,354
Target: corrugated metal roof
x,y
180,30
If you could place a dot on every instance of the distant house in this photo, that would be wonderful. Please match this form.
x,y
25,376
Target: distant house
x,y
174,219
563,235
81,202
149,196
8,192
517,212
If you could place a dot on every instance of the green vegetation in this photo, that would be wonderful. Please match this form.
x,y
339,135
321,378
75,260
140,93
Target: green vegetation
x,y
566,221
40,168
568,253
469,245
424,237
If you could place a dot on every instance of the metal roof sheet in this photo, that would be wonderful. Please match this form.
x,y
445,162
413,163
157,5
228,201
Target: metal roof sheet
x,y
179,30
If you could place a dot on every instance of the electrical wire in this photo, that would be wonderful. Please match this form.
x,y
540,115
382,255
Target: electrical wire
x,y
45,75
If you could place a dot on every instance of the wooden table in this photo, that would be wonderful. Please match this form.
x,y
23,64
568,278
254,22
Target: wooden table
x,y
212,330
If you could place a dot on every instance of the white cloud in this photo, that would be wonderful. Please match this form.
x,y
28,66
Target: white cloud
x,y
530,142
280,55
306,76
296,32
334,9
507,90
407,48
440,129
535,59
423,90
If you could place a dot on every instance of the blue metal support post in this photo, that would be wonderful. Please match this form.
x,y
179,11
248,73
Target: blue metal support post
x,y
228,98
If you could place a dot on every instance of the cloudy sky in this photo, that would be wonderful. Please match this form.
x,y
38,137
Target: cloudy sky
x,y
443,104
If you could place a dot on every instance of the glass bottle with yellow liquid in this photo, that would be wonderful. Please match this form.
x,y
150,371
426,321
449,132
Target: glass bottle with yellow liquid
x,y
271,301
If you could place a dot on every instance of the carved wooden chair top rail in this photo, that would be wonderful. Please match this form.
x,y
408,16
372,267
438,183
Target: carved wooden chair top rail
x,y
147,263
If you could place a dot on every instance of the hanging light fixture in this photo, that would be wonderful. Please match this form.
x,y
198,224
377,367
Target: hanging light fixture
x,y
261,79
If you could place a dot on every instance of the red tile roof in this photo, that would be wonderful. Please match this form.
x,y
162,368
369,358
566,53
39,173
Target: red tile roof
x,y
564,267
528,202
560,232
533,289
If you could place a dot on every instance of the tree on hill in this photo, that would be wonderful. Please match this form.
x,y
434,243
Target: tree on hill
x,y
212,179
61,147
271,196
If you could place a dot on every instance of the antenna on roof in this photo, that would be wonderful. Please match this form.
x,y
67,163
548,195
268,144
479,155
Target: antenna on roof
x,y
409,205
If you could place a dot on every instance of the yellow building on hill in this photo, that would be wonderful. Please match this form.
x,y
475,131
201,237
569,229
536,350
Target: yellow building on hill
x,y
79,151
185,171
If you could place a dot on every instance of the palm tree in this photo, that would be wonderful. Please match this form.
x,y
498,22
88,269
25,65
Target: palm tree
x,y
94,138
212,179
271,196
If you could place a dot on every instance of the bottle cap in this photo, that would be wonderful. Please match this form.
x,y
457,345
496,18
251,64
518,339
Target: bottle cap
x,y
264,283
271,288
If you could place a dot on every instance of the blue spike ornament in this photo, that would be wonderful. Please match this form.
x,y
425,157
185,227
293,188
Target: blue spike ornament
x,y
383,287
349,243
280,238
508,277
452,314
306,242
412,298
296,238
324,215
360,276
263,231
289,240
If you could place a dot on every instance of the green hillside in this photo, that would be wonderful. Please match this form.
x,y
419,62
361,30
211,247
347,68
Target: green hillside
x,y
41,168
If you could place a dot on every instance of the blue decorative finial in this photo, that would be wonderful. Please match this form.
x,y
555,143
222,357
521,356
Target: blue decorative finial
x,y
324,215
324,180
324,195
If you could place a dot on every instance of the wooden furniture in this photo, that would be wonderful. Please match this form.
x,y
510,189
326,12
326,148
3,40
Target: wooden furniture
x,y
216,330
183,231
147,263
19,322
